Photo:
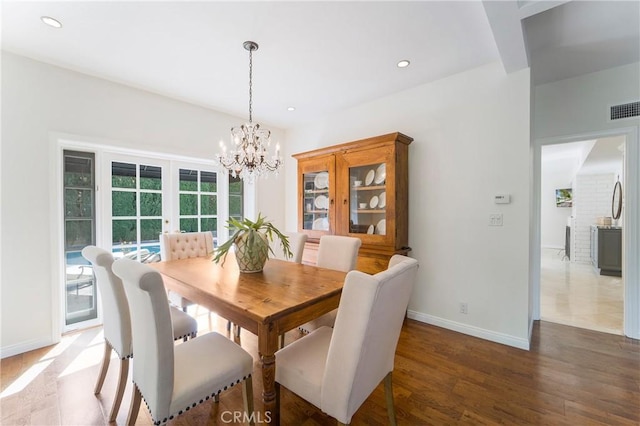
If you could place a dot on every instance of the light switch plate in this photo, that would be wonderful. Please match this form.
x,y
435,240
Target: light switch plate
x,y
495,219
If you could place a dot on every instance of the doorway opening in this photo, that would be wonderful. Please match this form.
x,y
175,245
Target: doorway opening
x,y
581,282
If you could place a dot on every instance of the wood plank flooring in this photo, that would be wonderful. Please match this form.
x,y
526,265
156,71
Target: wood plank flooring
x,y
571,376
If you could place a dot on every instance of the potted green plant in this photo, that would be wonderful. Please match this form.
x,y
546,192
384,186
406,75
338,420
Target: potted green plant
x,y
251,242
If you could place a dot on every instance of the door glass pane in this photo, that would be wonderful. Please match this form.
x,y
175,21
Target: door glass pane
x,y
208,204
367,199
188,204
150,204
124,231
150,177
78,202
79,231
208,182
315,205
189,225
188,180
150,230
123,175
209,224
123,203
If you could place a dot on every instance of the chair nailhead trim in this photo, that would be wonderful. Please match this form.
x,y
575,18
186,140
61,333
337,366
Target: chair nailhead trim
x,y
121,357
171,417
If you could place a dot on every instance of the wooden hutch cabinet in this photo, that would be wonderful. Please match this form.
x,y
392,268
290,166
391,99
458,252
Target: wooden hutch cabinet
x,y
359,189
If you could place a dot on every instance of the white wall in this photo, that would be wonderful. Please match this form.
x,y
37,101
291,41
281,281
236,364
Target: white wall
x,y
581,105
556,174
471,141
38,99
577,109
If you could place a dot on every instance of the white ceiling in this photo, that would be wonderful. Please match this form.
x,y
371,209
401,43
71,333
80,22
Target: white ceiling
x,y
319,57
581,37
603,155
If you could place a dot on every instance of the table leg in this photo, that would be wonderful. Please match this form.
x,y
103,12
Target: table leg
x,y
267,347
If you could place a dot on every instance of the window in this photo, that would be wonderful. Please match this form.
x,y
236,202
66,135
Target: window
x,y
198,195
79,231
136,209
236,197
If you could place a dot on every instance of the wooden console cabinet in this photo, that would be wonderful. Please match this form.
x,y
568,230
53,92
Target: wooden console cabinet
x,y
359,189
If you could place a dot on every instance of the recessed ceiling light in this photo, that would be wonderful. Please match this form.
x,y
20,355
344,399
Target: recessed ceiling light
x,y
291,109
403,64
51,22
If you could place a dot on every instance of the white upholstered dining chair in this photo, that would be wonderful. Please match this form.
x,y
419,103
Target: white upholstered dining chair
x,y
173,379
184,245
117,321
341,254
336,369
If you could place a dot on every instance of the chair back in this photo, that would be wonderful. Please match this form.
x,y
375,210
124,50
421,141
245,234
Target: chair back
x,y
338,253
365,335
117,319
296,245
183,245
152,334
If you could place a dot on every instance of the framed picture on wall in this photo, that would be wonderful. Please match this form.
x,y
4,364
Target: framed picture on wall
x,y
564,197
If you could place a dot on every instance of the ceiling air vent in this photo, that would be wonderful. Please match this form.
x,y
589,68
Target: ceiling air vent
x,y
631,109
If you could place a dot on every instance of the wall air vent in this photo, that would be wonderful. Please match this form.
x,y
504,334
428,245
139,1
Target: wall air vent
x,y
629,110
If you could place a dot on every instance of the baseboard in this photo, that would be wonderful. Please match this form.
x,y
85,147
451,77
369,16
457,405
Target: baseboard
x,y
22,347
492,336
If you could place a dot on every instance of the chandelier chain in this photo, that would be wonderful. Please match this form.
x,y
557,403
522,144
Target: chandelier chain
x,y
250,85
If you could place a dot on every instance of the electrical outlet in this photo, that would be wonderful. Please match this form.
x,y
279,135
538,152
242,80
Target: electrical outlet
x,y
495,219
464,309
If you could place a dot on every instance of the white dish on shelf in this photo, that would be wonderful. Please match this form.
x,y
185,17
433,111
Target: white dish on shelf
x,y
320,224
321,180
370,175
382,200
363,205
370,230
381,227
381,174
373,203
321,202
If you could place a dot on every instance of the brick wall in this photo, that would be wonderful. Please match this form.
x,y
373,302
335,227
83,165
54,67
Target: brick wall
x,y
591,198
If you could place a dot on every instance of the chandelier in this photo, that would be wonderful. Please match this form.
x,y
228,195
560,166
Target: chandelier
x,y
249,157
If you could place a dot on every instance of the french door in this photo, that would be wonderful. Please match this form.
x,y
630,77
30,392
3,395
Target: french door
x,y
146,197
123,202
137,205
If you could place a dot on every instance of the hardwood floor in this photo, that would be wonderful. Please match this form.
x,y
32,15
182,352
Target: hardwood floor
x,y
571,376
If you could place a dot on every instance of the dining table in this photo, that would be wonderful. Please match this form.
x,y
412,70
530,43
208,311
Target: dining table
x,y
281,297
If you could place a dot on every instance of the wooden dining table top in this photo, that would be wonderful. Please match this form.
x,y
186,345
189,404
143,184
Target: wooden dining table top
x,y
281,288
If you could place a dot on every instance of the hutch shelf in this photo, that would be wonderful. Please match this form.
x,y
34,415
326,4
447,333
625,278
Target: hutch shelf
x,y
359,189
